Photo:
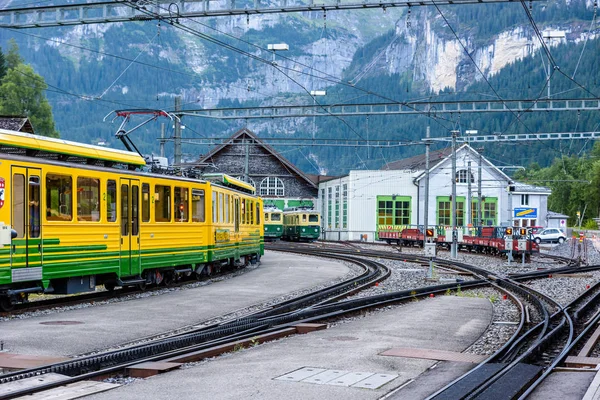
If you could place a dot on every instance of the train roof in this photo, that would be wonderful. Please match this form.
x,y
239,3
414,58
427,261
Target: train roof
x,y
299,209
230,181
27,144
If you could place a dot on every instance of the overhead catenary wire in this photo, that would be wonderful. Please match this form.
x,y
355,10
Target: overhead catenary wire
x,y
117,57
324,76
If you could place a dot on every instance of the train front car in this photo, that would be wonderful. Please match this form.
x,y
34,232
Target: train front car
x,y
273,223
301,224
86,215
58,200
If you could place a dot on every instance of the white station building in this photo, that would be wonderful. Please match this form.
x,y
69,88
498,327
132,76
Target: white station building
x,y
359,205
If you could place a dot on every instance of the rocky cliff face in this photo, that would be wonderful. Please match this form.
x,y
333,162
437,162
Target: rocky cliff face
x,y
446,63
421,47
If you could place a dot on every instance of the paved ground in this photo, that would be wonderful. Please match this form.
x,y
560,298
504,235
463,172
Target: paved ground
x,y
564,386
107,325
446,322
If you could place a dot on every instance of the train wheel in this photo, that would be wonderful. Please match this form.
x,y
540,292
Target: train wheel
x,y
110,286
6,304
168,279
141,286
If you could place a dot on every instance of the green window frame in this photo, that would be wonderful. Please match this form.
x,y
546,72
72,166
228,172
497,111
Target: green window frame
x,y
444,211
394,210
329,207
489,211
344,206
337,206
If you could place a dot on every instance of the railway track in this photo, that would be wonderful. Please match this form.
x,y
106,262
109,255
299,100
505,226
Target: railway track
x,y
320,306
103,295
538,345
323,305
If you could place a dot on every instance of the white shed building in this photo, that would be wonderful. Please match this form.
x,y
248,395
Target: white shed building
x,y
361,204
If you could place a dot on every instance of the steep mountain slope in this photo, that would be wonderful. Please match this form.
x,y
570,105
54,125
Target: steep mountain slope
x,y
452,52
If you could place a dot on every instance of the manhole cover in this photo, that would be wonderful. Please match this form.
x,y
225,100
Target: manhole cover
x,y
61,323
341,338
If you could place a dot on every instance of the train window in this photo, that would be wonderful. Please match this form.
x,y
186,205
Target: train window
x,y
59,198
267,217
221,208
313,218
250,212
18,204
88,194
214,207
124,209
162,203
236,214
145,202
249,217
34,206
111,201
135,210
303,218
257,213
227,206
197,205
243,212
275,217
181,204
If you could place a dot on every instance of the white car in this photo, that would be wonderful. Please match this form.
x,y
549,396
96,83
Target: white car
x,y
550,235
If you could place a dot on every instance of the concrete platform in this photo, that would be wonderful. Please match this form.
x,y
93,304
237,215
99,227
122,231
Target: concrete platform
x,y
100,327
349,352
564,386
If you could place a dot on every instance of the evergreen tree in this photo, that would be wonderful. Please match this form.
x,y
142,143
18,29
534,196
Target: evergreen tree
x,y
2,64
22,94
13,58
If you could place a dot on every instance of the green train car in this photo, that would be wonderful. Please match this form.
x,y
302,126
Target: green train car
x,y
273,223
301,224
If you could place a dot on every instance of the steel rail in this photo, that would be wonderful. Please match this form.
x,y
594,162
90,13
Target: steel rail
x,y
233,331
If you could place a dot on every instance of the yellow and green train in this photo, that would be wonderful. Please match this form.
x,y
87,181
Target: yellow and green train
x,y
273,223
73,216
300,224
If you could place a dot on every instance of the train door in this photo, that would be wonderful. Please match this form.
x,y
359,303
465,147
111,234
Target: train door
x,y
130,227
25,208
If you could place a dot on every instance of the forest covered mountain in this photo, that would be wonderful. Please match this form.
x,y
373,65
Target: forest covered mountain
x,y
465,52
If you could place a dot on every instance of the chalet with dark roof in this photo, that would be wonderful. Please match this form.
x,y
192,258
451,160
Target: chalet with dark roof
x,y
275,178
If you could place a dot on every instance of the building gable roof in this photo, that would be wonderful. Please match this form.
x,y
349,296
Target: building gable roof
x,y
16,123
446,154
245,133
417,163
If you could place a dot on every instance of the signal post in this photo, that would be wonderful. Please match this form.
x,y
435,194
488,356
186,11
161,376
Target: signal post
x,y
522,243
430,249
508,243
